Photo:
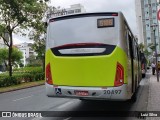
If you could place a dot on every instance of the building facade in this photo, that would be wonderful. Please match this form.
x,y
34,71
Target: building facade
x,y
74,9
148,25
27,51
139,21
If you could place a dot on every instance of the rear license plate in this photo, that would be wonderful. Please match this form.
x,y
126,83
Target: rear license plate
x,y
81,93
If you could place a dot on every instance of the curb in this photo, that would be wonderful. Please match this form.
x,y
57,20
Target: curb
x,y
22,88
149,98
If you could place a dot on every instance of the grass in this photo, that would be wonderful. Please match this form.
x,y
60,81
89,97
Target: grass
x,y
21,86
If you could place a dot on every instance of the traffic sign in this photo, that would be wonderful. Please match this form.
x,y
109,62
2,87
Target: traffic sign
x,y
158,15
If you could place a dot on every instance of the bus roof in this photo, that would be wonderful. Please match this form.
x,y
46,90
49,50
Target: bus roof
x,y
86,15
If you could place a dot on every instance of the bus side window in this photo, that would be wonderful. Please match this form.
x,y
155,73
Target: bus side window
x,y
135,50
127,41
138,54
131,51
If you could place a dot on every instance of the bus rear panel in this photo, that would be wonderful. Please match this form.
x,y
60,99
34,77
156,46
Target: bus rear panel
x,y
84,57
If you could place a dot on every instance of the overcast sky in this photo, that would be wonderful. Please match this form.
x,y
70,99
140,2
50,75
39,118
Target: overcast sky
x,y
127,7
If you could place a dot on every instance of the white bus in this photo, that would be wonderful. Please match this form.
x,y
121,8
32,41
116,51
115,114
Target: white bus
x,y
92,56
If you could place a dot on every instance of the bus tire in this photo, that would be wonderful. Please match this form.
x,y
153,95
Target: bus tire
x,y
133,98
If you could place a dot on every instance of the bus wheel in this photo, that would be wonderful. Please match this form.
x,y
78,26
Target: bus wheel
x,y
133,98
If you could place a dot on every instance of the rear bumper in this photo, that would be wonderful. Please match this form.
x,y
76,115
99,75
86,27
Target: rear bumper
x,y
109,93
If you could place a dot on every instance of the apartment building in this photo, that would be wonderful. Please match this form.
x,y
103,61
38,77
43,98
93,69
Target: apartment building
x,y
27,51
148,25
73,9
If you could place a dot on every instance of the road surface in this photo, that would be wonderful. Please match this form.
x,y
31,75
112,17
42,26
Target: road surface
x,y
34,99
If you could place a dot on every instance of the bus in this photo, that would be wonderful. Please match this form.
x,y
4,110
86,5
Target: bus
x,y
91,56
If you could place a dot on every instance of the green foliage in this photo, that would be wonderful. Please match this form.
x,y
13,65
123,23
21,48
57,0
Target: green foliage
x,y
146,52
152,46
26,74
28,70
16,55
22,11
34,63
3,55
8,81
38,34
17,15
141,47
31,60
18,79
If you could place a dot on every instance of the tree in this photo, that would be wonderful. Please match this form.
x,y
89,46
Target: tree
x,y
143,50
3,56
147,53
17,15
141,47
32,61
152,46
16,56
38,35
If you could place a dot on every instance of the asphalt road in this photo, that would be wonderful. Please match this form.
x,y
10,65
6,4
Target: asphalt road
x,y
34,99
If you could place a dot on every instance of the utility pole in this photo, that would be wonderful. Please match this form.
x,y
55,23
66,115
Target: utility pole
x,y
154,29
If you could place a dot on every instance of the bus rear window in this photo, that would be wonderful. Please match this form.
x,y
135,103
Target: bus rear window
x,y
92,29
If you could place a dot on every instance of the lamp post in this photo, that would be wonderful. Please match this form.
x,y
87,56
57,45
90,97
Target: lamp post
x,y
154,29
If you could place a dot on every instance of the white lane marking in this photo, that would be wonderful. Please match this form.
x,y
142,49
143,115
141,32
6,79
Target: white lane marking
x,y
65,104
37,118
67,118
23,98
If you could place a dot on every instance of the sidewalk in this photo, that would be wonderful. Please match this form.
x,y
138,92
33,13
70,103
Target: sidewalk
x,y
154,96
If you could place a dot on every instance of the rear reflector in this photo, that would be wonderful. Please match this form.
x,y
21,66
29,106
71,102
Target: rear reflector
x,y
48,74
119,77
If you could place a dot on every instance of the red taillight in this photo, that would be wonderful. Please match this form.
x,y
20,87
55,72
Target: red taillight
x,y
119,78
80,45
114,14
48,74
